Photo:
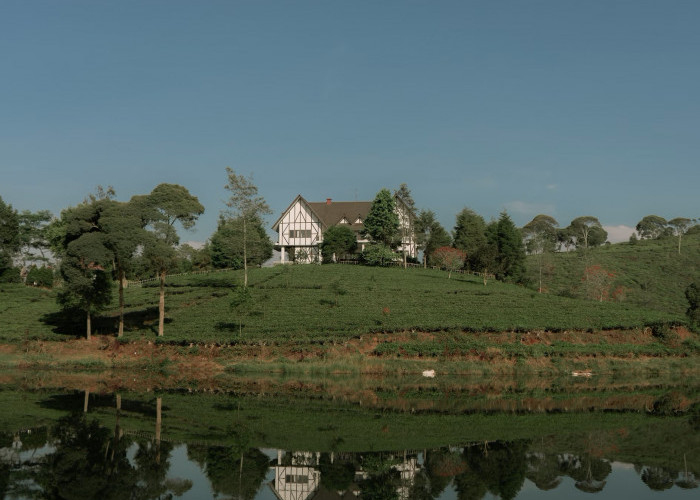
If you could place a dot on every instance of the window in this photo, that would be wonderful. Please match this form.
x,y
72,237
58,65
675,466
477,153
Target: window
x,y
296,479
300,233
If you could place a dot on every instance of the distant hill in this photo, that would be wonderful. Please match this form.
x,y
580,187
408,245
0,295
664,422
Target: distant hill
x,y
649,273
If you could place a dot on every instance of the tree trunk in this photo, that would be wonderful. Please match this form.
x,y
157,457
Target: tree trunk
x,y
121,303
161,305
89,326
85,401
159,421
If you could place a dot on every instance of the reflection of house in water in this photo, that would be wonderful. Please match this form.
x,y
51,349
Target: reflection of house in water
x,y
298,479
297,476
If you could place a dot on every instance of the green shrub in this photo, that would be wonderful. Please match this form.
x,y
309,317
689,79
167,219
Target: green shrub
x,y
40,276
10,275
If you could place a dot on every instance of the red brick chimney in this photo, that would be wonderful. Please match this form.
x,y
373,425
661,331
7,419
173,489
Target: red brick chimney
x,y
328,201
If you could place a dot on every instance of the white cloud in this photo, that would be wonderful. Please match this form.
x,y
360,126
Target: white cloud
x,y
616,234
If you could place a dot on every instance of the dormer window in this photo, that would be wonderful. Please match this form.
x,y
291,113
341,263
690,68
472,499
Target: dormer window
x,y
359,220
344,221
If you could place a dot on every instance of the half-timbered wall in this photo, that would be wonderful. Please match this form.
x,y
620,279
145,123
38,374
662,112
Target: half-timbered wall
x,y
300,233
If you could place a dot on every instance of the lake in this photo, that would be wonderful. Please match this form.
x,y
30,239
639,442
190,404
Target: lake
x,y
371,438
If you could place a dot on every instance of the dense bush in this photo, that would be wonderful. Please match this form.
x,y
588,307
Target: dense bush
x,y
40,276
10,275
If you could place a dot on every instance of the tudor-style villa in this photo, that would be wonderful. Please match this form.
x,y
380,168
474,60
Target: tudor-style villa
x,y
300,228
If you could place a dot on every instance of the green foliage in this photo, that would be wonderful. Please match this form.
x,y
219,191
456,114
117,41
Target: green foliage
x,y
469,233
9,235
651,227
438,237
382,222
338,241
585,232
377,254
430,234
11,275
226,244
510,260
40,276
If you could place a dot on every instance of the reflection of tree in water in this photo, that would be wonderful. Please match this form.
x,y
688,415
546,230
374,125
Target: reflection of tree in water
x,y
687,480
658,478
381,480
337,474
439,468
544,470
497,467
232,472
589,472
83,466
153,463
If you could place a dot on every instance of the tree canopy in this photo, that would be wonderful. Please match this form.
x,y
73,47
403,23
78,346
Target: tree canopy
x,y
469,232
244,204
382,222
338,241
226,244
9,235
651,226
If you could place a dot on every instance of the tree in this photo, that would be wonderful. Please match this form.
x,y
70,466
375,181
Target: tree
x,y
540,236
469,233
680,225
382,222
430,234
597,282
448,258
405,194
245,204
123,226
510,259
226,244
439,237
9,235
587,232
33,235
337,242
165,206
407,215
86,259
651,227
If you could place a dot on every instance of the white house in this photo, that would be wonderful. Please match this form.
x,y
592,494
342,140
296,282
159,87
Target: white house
x,y
301,226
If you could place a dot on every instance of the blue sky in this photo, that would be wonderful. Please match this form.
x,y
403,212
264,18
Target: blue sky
x,y
561,107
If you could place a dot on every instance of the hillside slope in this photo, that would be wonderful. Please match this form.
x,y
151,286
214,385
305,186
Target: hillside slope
x,y
323,303
648,274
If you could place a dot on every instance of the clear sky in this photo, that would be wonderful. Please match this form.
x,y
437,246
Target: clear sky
x,y
561,107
